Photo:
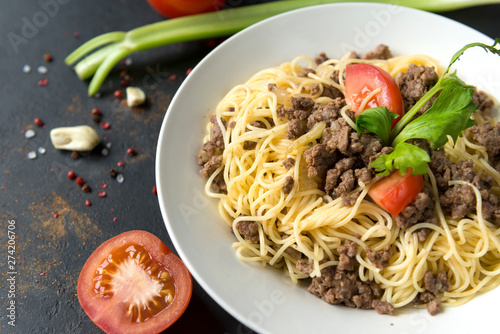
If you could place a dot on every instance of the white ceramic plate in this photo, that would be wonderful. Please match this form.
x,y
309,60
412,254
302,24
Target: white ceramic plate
x,y
262,298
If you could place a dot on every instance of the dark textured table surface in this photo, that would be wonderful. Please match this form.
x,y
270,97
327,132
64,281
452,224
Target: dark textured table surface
x,y
55,230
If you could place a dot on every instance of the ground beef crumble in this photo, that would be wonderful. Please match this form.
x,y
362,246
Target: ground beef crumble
x,y
341,284
460,200
488,135
414,83
381,258
434,284
249,230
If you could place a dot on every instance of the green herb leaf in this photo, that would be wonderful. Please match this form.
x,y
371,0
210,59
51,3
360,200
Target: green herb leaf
x,y
487,48
404,156
376,120
449,116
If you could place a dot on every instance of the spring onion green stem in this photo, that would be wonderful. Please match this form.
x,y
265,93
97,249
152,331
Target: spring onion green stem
x,y
117,45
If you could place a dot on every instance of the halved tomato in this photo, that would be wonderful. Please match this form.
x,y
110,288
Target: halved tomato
x,y
394,192
133,283
362,79
177,8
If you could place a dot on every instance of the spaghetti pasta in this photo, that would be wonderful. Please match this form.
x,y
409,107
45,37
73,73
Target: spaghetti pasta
x,y
265,181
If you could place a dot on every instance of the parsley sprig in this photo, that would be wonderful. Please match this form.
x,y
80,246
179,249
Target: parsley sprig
x,y
449,115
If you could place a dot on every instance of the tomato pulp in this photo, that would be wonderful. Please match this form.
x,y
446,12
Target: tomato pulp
x,y
177,8
133,283
362,79
394,192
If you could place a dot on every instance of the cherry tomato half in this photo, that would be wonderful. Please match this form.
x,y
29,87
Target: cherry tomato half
x,y
362,79
133,283
394,192
177,8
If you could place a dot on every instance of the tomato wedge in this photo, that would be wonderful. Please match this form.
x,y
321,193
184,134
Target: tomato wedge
x,y
362,79
394,192
133,283
177,8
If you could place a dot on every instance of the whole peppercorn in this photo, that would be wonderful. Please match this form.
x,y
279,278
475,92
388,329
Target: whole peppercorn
x,y
113,172
71,175
80,181
38,122
131,151
86,188
118,94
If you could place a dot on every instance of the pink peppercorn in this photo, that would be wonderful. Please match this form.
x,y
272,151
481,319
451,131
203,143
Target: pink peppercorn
x,y
131,151
38,122
88,203
118,94
80,181
71,175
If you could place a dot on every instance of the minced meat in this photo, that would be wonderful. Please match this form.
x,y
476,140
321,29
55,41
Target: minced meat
x,y
414,83
341,284
249,230
382,51
288,186
381,258
460,200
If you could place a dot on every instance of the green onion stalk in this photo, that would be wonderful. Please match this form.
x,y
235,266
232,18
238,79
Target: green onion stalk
x,y
97,57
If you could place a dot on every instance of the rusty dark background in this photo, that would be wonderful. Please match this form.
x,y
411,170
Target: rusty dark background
x,y
55,230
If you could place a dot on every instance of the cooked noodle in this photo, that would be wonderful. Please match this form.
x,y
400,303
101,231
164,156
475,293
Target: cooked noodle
x,y
315,224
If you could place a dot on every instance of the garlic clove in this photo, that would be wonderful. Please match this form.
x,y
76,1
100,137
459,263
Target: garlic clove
x,y
76,138
135,96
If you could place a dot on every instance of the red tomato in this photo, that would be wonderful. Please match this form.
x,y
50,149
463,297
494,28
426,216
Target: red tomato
x,y
176,8
362,79
133,283
394,192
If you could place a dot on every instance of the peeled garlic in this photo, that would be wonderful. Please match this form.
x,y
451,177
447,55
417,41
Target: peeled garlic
x,y
76,138
135,96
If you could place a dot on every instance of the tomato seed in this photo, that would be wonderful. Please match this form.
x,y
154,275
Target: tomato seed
x,y
44,82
